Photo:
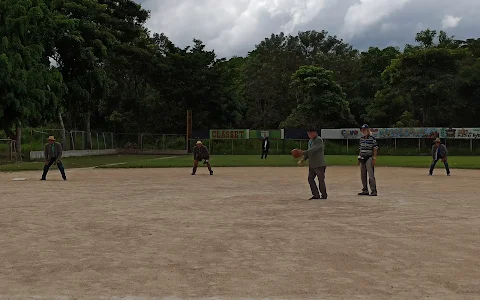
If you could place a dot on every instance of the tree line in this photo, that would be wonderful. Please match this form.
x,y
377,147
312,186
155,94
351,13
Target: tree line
x,y
93,64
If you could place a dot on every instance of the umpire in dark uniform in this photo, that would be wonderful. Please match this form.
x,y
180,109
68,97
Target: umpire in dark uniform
x,y
200,152
265,147
53,155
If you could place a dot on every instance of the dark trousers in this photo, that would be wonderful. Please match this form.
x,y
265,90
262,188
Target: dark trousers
x,y
264,153
206,161
434,162
50,163
320,173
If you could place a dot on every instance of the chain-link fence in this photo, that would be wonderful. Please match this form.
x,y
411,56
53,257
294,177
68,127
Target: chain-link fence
x,y
249,147
70,140
8,151
399,147
151,142
405,146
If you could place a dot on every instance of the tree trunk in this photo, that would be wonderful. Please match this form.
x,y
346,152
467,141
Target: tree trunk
x,y
18,137
87,128
63,133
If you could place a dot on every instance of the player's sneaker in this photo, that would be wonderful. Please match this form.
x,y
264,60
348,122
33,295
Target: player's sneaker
x,y
211,172
363,194
193,173
373,194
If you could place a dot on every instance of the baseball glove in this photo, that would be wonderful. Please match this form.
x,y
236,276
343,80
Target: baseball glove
x,y
297,153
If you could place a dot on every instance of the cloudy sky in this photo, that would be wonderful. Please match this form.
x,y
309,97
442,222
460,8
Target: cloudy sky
x,y
233,27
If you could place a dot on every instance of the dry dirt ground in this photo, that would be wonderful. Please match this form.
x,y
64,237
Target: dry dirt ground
x,y
244,233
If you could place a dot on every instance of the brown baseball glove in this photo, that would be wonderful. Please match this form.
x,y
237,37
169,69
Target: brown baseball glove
x,y
297,153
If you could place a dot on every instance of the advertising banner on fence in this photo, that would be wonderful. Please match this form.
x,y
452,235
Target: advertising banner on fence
x,y
260,134
229,134
408,133
344,133
462,133
382,133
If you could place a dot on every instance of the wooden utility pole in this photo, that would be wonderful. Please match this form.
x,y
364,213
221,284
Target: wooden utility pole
x,y
189,129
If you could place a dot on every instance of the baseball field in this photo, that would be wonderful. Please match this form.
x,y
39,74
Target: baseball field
x,y
143,228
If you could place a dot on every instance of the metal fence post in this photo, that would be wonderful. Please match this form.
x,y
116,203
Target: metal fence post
x,y
347,145
98,142
111,139
104,141
232,146
72,140
395,145
471,145
419,146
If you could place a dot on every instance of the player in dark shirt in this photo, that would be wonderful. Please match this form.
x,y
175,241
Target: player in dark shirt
x,y
200,152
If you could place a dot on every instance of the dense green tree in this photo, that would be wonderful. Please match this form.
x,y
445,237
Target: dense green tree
x,y
29,87
270,66
322,103
425,83
368,79
94,64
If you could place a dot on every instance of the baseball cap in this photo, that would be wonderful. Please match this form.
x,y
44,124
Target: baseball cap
x,y
364,126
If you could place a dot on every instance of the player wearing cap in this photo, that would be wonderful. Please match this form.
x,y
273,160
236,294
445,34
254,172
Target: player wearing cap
x,y
439,152
367,159
200,152
53,155
317,166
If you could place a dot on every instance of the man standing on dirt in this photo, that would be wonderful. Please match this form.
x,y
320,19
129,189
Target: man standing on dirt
x,y
367,159
317,166
200,152
265,147
439,152
53,155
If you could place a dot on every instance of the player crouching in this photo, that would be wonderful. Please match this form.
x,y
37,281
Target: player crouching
x,y
200,152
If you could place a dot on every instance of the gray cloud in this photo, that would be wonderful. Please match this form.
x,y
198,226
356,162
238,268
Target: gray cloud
x,y
233,27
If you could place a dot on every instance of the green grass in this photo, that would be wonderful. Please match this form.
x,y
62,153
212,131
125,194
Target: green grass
x,y
77,162
459,162
149,161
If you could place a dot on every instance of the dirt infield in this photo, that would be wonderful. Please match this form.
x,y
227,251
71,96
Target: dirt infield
x,y
243,233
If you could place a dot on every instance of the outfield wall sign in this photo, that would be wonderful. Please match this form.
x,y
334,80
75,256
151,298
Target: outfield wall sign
x,y
383,133
229,134
274,134
462,133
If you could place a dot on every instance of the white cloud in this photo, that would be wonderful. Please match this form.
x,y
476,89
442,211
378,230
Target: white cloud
x,y
389,27
233,27
287,15
450,22
361,16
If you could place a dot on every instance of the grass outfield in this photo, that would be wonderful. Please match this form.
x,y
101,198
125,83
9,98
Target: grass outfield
x,y
459,162
149,161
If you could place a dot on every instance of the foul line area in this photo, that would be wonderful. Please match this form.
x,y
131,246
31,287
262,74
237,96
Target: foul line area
x,y
118,164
